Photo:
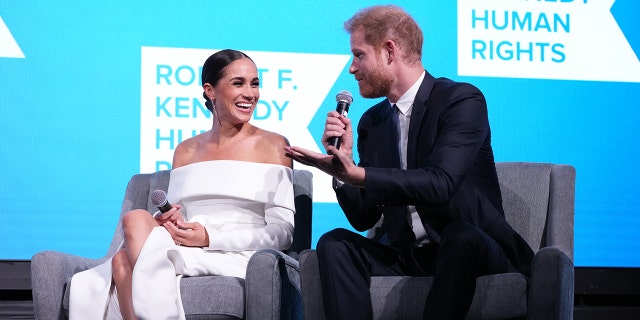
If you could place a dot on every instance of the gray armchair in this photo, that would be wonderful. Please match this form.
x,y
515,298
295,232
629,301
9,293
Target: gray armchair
x,y
538,200
271,289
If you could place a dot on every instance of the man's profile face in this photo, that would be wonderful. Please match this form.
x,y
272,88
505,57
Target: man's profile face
x,y
374,80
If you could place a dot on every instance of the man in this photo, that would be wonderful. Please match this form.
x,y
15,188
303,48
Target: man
x,y
426,165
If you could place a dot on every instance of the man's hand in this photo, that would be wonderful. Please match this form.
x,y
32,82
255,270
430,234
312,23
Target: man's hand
x,y
337,125
337,163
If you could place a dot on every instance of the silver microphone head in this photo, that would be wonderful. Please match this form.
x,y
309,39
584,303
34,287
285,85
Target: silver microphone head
x,y
158,198
345,96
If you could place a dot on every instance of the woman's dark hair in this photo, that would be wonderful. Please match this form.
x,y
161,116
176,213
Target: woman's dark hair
x,y
215,66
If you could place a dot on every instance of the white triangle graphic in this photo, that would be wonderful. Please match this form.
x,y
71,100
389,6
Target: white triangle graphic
x,y
8,46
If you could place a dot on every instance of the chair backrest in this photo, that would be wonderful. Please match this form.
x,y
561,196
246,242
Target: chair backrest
x,y
141,186
538,201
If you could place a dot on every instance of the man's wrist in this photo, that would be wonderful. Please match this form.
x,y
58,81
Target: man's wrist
x,y
357,179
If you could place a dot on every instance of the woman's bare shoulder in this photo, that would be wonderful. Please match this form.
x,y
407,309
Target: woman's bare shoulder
x,y
271,146
184,152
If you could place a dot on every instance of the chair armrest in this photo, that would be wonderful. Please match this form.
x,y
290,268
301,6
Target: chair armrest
x,y
551,286
310,286
50,271
272,286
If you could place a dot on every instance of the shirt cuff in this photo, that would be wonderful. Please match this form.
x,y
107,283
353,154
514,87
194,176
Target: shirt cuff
x,y
337,184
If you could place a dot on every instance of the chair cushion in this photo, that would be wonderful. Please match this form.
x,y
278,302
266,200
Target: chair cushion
x,y
212,297
206,297
497,296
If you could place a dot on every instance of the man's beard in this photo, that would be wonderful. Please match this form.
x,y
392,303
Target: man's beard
x,y
376,84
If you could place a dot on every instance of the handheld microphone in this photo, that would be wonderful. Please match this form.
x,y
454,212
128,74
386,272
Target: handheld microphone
x,y
344,99
159,199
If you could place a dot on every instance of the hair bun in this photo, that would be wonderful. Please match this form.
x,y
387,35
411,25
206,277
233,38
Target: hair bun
x,y
207,102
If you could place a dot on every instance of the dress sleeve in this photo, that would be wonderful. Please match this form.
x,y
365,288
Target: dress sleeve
x,y
277,196
276,234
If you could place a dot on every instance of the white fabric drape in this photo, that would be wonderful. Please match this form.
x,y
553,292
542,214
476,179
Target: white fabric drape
x,y
244,206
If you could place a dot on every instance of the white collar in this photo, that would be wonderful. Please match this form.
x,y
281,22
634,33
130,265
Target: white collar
x,y
406,100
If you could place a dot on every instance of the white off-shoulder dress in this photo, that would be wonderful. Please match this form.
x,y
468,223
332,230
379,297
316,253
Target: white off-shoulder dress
x,y
244,206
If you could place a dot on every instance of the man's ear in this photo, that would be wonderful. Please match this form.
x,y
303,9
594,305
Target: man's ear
x,y
391,50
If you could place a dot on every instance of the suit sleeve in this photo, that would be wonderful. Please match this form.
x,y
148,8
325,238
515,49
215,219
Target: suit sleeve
x,y
361,214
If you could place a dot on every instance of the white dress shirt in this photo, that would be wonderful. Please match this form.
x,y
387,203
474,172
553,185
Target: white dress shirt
x,y
405,106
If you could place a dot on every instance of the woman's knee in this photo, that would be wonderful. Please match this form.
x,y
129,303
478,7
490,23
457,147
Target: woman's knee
x,y
135,219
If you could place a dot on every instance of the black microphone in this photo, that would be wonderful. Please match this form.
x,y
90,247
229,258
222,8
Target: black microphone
x,y
159,199
344,99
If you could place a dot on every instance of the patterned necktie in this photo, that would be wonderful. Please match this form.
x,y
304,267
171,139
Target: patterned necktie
x,y
395,220
395,120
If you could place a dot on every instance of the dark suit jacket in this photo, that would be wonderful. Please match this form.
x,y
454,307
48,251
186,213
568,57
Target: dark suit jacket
x,y
450,174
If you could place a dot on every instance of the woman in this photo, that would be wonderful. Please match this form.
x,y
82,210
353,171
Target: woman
x,y
233,194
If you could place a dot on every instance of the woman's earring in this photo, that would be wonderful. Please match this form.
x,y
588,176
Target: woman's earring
x,y
215,112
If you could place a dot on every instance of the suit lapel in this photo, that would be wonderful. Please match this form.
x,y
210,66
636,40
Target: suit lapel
x,y
417,114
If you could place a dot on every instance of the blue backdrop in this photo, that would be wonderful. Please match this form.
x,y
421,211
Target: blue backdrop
x,y
71,88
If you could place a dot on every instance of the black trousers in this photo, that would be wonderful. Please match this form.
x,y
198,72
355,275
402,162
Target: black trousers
x,y
347,261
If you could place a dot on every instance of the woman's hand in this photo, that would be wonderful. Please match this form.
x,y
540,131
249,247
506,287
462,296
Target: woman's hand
x,y
172,215
188,234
